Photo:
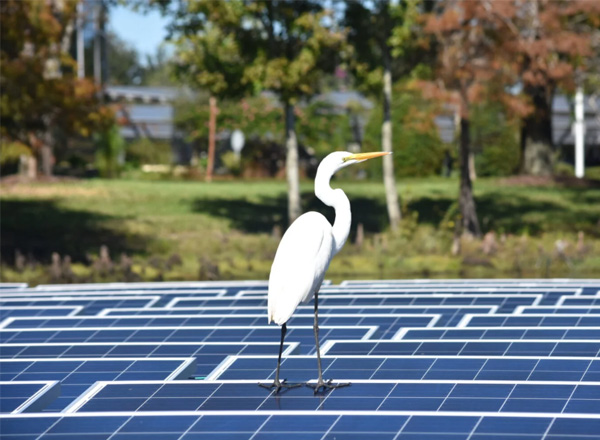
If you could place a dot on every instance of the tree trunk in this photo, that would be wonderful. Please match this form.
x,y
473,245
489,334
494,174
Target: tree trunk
x,y
391,193
291,164
468,212
537,153
47,159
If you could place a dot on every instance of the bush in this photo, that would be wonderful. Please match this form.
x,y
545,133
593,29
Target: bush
x,y
495,141
564,169
418,149
109,151
146,151
10,152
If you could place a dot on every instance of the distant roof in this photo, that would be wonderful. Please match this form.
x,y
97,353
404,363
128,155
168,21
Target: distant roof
x,y
142,93
153,121
562,134
345,98
156,121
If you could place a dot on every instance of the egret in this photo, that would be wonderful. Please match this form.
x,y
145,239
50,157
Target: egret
x,y
304,254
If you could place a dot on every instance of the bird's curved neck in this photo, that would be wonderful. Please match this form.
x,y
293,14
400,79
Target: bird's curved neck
x,y
338,200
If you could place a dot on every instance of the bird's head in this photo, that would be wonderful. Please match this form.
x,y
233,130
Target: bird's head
x,y
341,159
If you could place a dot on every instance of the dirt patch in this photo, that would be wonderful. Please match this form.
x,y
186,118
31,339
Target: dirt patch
x,y
48,187
15,179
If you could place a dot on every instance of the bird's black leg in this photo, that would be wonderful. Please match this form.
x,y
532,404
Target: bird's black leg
x,y
277,384
326,385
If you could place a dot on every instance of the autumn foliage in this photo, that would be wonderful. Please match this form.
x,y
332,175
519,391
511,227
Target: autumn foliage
x,y
42,98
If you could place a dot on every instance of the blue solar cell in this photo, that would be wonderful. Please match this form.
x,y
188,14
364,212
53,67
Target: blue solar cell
x,y
76,376
208,356
466,348
580,301
302,368
302,335
555,334
450,315
91,305
18,396
388,324
16,311
325,426
558,310
361,396
552,320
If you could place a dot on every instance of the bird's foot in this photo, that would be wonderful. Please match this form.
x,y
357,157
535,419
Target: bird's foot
x,y
326,385
278,385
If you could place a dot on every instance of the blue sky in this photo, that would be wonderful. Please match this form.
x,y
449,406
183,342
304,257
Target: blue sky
x,y
145,32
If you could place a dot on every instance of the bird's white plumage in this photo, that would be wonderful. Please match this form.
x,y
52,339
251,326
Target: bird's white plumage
x,y
299,266
310,243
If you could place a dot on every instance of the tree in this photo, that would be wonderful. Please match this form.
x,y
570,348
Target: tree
x,y
546,43
466,32
380,34
42,99
236,47
123,60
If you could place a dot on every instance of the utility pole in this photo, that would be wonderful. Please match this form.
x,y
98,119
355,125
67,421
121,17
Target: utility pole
x,y
212,129
98,43
80,46
579,133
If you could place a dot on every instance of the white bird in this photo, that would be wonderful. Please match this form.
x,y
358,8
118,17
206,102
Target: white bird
x,y
304,254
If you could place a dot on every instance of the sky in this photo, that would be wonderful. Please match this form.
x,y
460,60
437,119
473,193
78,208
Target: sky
x,y
145,32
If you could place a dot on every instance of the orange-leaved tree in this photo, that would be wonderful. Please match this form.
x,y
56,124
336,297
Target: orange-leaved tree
x,y
465,34
42,99
547,45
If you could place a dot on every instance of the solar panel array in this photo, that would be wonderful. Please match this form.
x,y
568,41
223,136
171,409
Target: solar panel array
x,y
447,359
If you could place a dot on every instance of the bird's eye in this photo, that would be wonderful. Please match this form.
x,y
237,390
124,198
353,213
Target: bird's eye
x,y
347,158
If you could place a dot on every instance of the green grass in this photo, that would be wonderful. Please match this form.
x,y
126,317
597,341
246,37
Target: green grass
x,y
230,229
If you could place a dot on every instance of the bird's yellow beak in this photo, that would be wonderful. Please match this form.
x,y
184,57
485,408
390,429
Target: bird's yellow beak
x,y
364,156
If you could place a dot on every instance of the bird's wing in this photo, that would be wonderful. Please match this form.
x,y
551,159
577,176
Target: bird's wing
x,y
299,266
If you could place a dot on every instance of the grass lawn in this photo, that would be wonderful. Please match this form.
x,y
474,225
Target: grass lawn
x,y
230,229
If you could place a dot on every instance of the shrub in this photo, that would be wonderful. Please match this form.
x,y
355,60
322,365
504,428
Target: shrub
x,y
109,151
418,149
146,151
495,141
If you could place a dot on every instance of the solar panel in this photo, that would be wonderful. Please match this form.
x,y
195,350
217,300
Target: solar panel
x,y
16,311
388,324
429,360
539,320
449,315
547,296
302,425
19,396
465,347
555,283
297,368
505,303
164,296
207,355
12,286
552,333
579,301
381,395
91,304
162,285
581,310
76,375
35,293
303,334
